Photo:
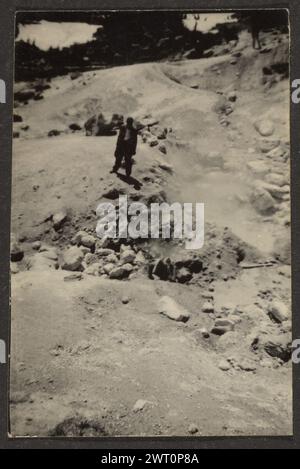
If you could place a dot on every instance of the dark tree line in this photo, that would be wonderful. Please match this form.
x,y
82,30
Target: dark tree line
x,y
125,38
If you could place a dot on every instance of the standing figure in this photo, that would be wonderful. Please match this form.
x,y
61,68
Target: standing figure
x,y
126,147
255,29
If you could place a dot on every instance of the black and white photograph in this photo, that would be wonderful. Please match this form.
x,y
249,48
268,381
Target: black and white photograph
x,y
150,252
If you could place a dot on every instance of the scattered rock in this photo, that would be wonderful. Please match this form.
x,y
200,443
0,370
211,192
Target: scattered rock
x,y
262,201
24,95
88,241
39,262
166,167
113,193
222,326
162,148
36,245
278,346
125,300
139,405
208,307
224,365
232,96
282,248
108,268
204,332
100,126
73,277
193,429
121,272
266,145
246,365
17,118
104,252
112,259
16,252
278,311
79,426
75,75
153,141
276,179
58,219
14,269
54,133
72,258
140,258
264,127
127,256
75,127
93,269
183,275
170,308
50,253
276,191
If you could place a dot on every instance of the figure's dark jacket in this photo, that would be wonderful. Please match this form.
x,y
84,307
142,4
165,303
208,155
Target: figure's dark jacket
x,y
131,144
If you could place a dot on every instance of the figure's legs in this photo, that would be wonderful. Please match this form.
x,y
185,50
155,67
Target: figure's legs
x,y
117,164
255,40
128,164
258,41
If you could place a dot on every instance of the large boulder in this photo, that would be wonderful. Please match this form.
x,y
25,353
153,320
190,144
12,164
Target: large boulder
x,y
170,308
277,346
108,268
104,252
279,311
262,201
88,241
93,269
264,127
127,256
121,272
72,259
59,218
77,237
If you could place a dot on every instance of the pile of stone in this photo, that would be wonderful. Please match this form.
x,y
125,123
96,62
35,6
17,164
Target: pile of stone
x,y
91,256
98,125
152,133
